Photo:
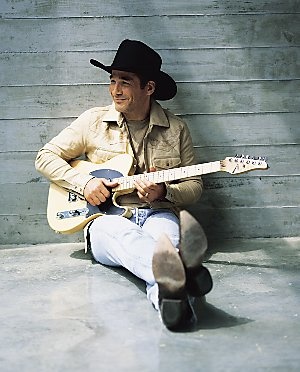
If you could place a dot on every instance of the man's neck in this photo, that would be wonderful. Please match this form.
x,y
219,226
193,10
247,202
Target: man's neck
x,y
138,116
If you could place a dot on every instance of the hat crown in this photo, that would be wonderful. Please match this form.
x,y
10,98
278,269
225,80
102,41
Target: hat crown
x,y
135,56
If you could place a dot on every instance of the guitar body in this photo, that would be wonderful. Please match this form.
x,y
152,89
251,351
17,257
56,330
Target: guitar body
x,y
68,212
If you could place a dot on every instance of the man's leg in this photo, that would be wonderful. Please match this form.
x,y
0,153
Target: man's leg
x,y
116,241
181,275
193,246
161,222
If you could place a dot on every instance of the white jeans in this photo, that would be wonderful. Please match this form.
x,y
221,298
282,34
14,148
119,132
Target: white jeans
x,y
118,241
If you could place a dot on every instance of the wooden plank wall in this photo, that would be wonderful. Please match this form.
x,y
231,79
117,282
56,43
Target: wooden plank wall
x,y
237,65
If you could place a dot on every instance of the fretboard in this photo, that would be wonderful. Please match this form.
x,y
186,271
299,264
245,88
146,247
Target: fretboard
x,y
127,182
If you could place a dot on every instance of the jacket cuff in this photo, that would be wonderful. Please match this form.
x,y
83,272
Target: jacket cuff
x,y
169,194
79,183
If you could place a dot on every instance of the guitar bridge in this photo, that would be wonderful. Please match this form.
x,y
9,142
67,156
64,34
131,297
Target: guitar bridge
x,y
72,213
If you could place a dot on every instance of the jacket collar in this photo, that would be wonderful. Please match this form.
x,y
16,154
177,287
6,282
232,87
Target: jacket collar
x,y
157,115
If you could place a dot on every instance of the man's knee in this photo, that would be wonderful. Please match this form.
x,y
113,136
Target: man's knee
x,y
109,223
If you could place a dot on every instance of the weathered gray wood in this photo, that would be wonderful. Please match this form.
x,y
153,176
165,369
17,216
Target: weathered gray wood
x,y
34,133
237,65
263,192
192,98
248,222
19,168
283,160
206,130
218,224
20,229
244,129
195,65
189,32
221,192
61,8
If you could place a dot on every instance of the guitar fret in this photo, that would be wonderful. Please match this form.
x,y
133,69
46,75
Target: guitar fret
x,y
127,182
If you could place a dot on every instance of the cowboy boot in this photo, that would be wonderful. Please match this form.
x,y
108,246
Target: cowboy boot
x,y
169,274
192,248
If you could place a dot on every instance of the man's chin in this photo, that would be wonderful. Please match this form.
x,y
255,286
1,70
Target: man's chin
x,y
119,106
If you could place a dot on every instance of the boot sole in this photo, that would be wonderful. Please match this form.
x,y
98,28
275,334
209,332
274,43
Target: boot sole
x,y
193,241
193,245
169,274
168,269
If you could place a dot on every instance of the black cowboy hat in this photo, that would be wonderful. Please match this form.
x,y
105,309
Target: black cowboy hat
x,y
137,57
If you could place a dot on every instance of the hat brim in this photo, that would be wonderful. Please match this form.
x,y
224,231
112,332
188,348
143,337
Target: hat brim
x,y
165,89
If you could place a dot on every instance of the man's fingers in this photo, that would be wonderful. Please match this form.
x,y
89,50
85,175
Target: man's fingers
x,y
142,188
110,184
96,190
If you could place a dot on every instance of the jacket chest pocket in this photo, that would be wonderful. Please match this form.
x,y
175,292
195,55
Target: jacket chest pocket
x,y
165,150
166,163
107,147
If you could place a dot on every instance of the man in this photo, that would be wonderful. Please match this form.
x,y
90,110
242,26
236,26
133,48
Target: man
x,y
146,243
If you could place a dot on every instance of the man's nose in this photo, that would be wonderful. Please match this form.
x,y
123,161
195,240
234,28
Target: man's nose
x,y
117,89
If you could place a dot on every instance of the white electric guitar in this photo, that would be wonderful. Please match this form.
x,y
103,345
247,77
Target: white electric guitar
x,y
68,212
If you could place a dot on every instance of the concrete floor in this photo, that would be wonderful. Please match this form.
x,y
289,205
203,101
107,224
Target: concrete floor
x,y
62,312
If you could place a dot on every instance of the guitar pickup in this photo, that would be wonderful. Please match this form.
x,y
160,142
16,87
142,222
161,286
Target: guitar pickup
x,y
72,213
73,197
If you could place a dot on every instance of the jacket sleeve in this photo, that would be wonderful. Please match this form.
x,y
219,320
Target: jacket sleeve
x,y
188,190
53,159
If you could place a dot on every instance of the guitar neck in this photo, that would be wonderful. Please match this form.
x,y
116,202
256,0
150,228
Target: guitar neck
x,y
127,182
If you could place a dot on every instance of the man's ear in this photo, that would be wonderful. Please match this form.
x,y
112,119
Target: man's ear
x,y
150,87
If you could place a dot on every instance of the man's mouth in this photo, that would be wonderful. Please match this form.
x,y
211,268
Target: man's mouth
x,y
119,100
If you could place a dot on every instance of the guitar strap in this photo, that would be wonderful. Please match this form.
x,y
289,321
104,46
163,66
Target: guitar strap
x,y
131,144
88,237
142,134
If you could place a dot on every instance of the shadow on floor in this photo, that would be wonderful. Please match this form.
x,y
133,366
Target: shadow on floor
x,y
208,316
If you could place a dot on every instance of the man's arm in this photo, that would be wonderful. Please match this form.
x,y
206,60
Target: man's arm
x,y
189,190
53,159
53,162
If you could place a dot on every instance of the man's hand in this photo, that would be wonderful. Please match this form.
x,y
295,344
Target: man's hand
x,y
96,192
148,191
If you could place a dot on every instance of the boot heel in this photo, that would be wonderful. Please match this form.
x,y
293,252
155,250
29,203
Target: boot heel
x,y
199,283
173,312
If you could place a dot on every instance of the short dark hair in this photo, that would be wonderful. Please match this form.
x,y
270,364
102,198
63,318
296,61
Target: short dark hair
x,y
144,78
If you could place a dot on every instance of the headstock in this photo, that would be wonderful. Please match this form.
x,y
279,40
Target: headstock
x,y
243,163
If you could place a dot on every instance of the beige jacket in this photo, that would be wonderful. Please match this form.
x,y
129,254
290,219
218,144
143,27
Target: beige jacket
x,y
100,134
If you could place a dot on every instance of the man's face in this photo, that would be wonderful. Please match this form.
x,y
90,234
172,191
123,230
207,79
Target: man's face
x,y
129,98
